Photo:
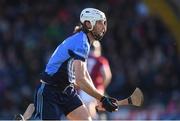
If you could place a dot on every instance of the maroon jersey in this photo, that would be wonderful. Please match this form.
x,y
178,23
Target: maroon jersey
x,y
95,68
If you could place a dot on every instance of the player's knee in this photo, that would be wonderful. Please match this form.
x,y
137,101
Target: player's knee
x,y
80,113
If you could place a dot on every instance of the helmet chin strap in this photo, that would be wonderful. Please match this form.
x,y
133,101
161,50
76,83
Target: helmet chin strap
x,y
91,29
95,36
86,29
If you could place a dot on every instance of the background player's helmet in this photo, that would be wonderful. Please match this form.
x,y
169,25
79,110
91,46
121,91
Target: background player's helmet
x,y
92,15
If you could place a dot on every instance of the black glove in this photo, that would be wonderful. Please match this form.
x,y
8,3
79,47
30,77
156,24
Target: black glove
x,y
109,104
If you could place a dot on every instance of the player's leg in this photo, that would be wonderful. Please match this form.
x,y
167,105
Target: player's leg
x,y
46,107
90,103
27,114
80,113
29,111
72,106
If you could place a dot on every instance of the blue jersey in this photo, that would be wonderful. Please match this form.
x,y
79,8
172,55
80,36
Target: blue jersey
x,y
59,69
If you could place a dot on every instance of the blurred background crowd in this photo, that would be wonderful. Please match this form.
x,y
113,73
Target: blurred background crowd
x,y
140,47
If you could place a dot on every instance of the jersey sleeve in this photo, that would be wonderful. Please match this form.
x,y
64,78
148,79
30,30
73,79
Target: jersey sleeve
x,y
80,51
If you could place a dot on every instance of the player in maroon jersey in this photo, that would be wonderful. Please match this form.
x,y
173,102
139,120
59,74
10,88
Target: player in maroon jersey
x,y
98,67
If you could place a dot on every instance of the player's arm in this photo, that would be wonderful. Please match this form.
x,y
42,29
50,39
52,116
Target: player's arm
x,y
83,81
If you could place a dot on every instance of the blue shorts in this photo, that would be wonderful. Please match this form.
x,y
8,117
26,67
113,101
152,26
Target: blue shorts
x,y
51,103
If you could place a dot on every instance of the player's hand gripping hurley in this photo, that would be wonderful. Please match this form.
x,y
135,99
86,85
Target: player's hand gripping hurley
x,y
136,99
